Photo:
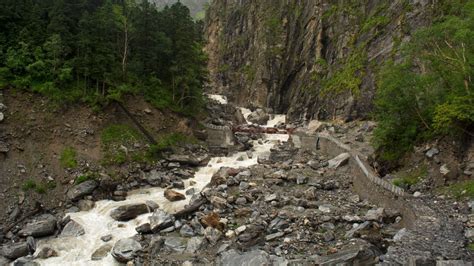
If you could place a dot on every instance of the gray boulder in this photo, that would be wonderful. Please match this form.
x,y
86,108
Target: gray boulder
x,y
175,244
195,244
44,225
234,258
189,159
339,160
14,250
101,252
73,229
161,220
129,212
259,117
82,190
126,250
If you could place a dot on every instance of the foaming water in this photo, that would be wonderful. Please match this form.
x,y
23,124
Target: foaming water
x,y
219,98
97,222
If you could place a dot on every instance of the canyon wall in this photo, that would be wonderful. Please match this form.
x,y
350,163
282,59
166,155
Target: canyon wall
x,y
311,59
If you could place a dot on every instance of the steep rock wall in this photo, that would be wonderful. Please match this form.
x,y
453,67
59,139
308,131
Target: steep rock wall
x,y
307,58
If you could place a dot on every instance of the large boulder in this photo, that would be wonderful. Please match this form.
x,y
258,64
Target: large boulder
x,y
14,250
73,229
190,159
172,195
234,258
129,212
81,190
339,160
161,220
259,117
101,252
44,225
126,250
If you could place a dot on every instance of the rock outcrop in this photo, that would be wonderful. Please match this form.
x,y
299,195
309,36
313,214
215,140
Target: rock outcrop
x,y
309,59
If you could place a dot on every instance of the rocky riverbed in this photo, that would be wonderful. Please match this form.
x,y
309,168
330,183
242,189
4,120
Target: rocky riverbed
x,y
265,203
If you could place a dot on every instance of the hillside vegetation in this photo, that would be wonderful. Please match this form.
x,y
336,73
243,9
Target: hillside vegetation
x,y
95,51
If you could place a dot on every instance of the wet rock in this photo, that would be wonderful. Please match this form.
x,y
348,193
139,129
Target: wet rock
x,y
101,252
144,229
161,220
175,244
72,229
212,235
259,117
106,238
339,160
14,250
178,184
46,252
189,159
186,231
129,212
44,226
126,250
81,190
25,261
85,205
191,191
172,195
234,258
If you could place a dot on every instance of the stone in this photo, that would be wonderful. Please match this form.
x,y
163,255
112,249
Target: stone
x,y
339,160
106,238
329,236
259,117
4,261
444,170
327,208
186,231
271,197
274,236
277,224
189,159
234,258
2,117
81,190
128,212
72,229
45,225
417,194
173,196
469,233
311,193
25,261
144,229
240,229
375,214
432,152
218,202
14,250
175,244
126,250
300,180
101,252
241,201
194,244
85,205
212,235
179,184
161,220
350,233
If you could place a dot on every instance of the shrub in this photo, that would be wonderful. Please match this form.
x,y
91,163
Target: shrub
x,y
68,158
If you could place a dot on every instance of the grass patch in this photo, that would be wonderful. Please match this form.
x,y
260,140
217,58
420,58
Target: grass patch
x,y
411,177
38,187
167,142
83,178
116,140
462,190
68,158
471,247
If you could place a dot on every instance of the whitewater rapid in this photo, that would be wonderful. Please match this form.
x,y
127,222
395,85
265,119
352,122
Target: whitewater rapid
x,y
77,251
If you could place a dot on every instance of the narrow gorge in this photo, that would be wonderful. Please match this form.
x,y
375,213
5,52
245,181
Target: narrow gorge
x,y
237,132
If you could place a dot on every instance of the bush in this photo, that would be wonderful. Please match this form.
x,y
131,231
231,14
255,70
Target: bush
x,y
68,158
429,93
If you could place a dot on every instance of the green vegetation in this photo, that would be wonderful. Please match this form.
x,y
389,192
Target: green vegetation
x,y
462,190
471,247
116,139
38,187
169,141
86,177
411,177
68,158
98,51
430,92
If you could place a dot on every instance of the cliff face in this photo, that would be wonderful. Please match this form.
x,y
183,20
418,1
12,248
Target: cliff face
x,y
307,58
196,7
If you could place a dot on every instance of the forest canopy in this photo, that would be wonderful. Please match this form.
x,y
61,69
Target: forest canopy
x,y
95,51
